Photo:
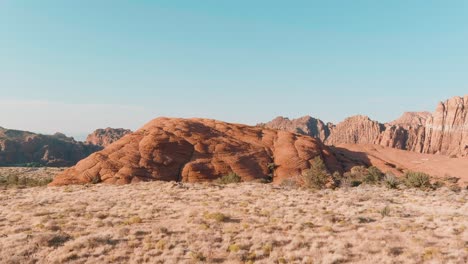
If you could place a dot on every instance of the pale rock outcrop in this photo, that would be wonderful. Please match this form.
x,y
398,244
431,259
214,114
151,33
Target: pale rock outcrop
x,y
412,119
305,125
107,136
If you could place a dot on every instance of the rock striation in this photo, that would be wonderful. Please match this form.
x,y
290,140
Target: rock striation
x,y
197,150
447,128
22,147
107,136
443,132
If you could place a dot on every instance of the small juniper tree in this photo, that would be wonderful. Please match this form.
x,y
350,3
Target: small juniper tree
x,y
317,176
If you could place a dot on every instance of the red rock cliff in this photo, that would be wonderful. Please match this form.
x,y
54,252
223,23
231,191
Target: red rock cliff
x,y
447,129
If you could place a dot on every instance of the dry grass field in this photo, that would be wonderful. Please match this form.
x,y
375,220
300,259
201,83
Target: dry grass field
x,y
167,222
26,177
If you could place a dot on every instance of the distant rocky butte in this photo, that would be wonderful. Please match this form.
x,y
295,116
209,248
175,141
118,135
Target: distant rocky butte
x,y
194,150
107,136
305,125
22,147
443,132
356,129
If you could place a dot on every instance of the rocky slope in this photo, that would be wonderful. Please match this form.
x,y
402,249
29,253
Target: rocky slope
x,y
194,150
21,147
412,119
107,136
356,129
443,132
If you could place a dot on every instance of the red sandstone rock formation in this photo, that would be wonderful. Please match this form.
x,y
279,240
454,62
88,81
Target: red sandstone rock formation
x,y
195,150
444,132
105,137
22,147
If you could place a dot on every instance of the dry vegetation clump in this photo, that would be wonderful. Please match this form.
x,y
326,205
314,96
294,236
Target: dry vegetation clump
x,y
229,178
417,180
167,222
391,181
317,177
22,177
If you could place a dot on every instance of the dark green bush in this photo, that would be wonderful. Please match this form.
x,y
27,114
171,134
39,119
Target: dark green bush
x,y
317,176
373,175
417,180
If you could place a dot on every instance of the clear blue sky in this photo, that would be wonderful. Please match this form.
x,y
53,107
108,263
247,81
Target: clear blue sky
x,y
73,66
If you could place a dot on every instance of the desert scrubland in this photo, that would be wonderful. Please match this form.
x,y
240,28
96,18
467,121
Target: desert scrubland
x,y
169,222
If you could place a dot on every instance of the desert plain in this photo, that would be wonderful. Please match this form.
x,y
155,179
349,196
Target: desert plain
x,y
171,222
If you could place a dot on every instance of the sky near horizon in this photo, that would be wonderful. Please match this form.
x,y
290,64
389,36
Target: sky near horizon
x,y
74,66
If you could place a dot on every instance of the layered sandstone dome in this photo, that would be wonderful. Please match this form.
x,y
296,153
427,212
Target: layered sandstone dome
x,y
107,136
194,150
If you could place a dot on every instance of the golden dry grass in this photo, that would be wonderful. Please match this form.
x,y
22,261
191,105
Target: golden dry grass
x,y
161,222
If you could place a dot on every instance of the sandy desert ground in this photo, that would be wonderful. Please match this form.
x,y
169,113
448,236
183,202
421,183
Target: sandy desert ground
x,y
168,222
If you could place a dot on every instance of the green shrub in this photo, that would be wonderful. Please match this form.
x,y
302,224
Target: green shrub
x,y
360,174
353,178
271,172
337,178
417,180
96,180
317,176
391,181
33,165
373,175
272,167
229,178
385,211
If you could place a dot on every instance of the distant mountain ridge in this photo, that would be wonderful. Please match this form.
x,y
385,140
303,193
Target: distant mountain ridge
x,y
26,148
443,132
23,148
